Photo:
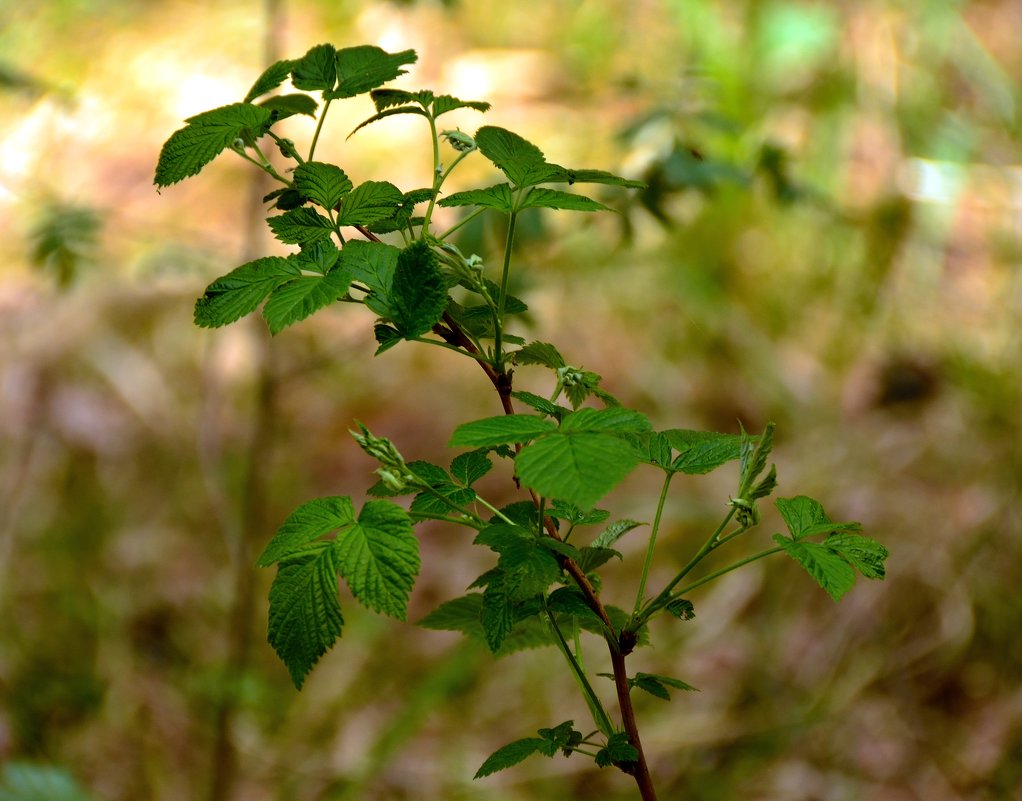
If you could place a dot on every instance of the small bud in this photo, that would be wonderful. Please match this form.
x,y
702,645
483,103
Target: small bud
x,y
459,140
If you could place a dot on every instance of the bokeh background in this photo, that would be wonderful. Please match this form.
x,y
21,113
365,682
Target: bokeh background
x,y
830,240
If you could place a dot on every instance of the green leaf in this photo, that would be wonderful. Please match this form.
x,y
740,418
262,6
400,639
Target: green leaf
x,y
754,460
597,177
504,429
618,419
418,294
459,614
575,516
365,67
307,523
444,103
538,198
653,448
316,70
391,112
272,77
25,781
305,614
371,264
510,755
497,612
302,226
702,451
578,467
591,557
205,136
618,749
322,183
541,405
521,161
388,98
468,468
240,292
614,532
681,609
379,558
866,554
284,106
370,202
296,300
830,570
540,353
497,197
657,685
801,514
429,503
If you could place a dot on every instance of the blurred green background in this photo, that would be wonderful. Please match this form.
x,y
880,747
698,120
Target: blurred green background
x,y
830,239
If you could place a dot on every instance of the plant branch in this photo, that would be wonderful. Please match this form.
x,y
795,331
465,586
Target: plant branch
x,y
639,596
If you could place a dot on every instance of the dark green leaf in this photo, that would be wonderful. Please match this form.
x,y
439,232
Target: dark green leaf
x,y
681,609
511,754
459,614
657,685
830,570
388,98
801,514
497,613
766,485
575,516
497,197
866,555
307,523
370,202
614,532
591,557
618,749
322,183
240,292
272,77
538,198
444,103
371,264
541,405
504,429
305,615
284,106
316,70
390,112
653,447
418,294
365,67
754,460
617,419
596,177
205,136
303,226
379,558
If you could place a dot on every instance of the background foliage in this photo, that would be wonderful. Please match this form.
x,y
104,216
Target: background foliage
x,y
830,240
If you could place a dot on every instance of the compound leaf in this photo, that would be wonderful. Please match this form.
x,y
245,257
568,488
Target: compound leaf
x,y
802,515
305,614
205,136
322,183
371,264
379,558
240,292
618,749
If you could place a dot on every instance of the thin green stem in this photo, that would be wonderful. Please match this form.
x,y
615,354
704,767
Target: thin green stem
x,y
502,300
319,128
265,167
716,574
476,524
280,142
641,594
463,221
600,716
476,356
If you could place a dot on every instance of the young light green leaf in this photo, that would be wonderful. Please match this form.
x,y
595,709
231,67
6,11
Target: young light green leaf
x,y
830,570
370,202
578,467
360,69
205,136
379,558
297,299
309,522
497,197
521,161
418,293
316,70
866,554
322,183
284,106
541,405
272,77
240,292
539,198
302,226
540,353
754,460
510,755
305,614
702,451
504,429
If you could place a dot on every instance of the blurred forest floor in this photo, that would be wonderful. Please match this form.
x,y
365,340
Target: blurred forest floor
x,y
832,239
